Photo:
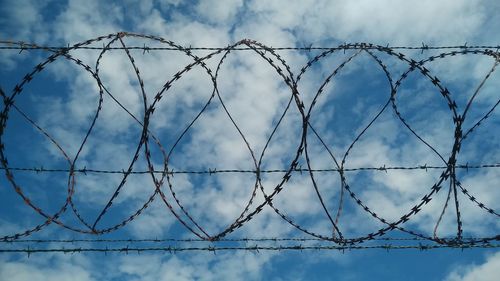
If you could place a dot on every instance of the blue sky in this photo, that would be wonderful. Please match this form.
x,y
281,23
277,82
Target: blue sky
x,y
63,100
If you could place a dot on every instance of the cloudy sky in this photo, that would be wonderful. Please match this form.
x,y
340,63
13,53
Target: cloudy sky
x,y
65,116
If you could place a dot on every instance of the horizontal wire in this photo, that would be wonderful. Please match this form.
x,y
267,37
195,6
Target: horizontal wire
x,y
256,248
161,240
19,45
216,171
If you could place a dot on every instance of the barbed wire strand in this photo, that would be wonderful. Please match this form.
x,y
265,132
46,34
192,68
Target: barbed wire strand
x,y
271,56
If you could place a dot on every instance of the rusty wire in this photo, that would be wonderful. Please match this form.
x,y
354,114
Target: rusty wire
x,y
162,178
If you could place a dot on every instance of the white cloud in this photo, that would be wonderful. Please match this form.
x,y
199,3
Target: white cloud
x,y
170,2
82,22
20,22
182,266
487,271
55,267
219,12
255,96
21,271
380,21
204,267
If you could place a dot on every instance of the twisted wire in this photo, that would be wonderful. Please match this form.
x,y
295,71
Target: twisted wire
x,y
163,177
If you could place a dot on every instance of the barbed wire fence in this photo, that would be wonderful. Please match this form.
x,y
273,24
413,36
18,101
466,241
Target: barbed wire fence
x,y
162,178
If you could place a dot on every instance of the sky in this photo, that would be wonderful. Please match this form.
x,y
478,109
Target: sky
x,y
253,120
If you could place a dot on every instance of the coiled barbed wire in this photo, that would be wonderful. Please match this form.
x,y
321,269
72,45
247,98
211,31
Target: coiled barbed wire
x,y
162,178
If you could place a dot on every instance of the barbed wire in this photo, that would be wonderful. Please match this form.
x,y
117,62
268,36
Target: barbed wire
x,y
383,168
227,244
21,45
162,178
256,248
243,239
